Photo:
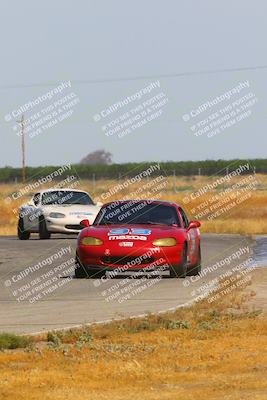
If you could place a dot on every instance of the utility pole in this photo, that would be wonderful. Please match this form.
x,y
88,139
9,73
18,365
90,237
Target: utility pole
x,y
21,122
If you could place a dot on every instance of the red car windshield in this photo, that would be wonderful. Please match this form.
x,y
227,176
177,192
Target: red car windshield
x,y
137,213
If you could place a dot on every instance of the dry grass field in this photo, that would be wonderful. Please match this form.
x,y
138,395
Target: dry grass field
x,y
210,351
247,216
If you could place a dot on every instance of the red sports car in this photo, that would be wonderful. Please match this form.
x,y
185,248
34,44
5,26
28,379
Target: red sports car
x,y
134,235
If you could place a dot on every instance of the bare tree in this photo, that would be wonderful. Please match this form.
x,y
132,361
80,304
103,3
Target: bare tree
x,y
100,157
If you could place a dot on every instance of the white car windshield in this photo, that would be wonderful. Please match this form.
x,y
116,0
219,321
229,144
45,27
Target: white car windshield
x,y
60,197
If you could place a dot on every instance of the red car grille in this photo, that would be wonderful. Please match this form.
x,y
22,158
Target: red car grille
x,y
125,260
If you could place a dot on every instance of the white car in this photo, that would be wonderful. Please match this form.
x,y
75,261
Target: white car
x,y
56,211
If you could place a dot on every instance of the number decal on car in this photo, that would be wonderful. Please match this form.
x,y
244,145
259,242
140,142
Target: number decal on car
x,y
125,231
140,231
120,231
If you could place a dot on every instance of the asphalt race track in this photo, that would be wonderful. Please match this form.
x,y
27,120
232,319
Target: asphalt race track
x,y
38,293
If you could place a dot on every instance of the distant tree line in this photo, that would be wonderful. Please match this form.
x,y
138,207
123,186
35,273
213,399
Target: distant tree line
x,y
98,157
115,171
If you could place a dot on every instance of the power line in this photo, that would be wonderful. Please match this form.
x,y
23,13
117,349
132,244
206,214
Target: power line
x,y
136,78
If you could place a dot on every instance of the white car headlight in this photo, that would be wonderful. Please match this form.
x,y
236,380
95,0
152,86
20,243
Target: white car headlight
x,y
57,215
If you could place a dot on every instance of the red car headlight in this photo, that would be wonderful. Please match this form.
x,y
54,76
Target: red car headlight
x,y
165,242
91,241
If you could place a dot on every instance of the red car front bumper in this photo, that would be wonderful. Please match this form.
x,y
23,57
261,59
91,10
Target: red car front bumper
x,y
102,257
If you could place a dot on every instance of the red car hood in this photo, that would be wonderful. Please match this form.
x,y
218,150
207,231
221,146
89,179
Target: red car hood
x,y
149,232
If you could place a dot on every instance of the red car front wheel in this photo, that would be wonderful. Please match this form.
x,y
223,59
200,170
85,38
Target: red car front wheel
x,y
196,268
179,271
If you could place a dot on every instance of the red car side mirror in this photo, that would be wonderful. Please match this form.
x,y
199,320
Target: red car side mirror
x,y
85,223
193,224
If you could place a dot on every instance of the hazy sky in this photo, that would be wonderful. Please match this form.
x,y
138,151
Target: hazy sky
x,y
110,50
